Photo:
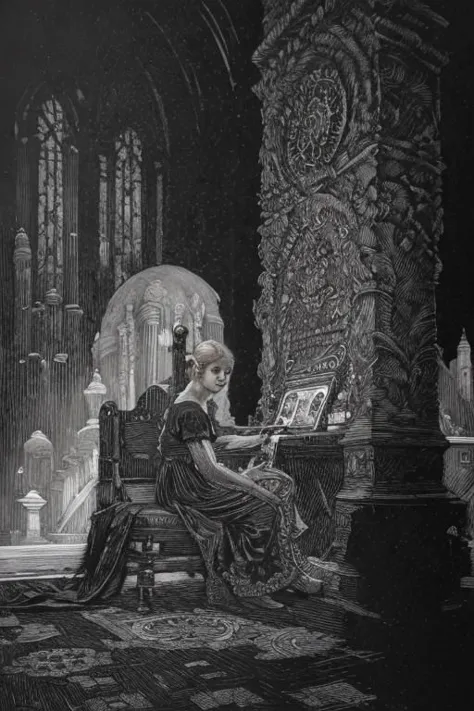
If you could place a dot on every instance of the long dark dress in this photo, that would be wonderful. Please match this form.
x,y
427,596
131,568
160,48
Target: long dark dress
x,y
247,545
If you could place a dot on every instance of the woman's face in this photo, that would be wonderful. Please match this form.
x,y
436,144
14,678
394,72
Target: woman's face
x,y
216,375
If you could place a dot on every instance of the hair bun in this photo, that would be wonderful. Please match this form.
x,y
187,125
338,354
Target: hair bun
x,y
191,360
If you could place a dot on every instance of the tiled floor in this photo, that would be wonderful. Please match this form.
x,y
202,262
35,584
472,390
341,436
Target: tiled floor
x,y
184,655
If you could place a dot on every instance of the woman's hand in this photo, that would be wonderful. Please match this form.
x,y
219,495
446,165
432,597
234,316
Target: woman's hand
x,y
266,496
254,470
205,461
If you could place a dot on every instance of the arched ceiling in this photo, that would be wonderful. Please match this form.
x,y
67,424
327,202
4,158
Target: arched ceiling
x,y
179,57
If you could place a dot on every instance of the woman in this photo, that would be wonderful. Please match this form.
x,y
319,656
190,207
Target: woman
x,y
245,524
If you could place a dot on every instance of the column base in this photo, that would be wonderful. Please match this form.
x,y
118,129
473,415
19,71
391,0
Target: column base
x,y
395,556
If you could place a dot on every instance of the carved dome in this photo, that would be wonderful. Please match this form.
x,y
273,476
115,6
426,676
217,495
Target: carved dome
x,y
133,350
175,287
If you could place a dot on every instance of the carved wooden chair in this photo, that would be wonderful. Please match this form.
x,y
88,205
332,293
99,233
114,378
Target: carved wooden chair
x,y
128,459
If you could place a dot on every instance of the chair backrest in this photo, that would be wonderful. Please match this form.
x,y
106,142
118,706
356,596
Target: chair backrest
x,y
129,439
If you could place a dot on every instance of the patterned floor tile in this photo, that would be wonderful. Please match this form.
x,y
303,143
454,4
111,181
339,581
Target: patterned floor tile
x,y
183,659
332,696
239,696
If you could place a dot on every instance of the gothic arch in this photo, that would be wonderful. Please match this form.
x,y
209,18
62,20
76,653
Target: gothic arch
x,y
34,97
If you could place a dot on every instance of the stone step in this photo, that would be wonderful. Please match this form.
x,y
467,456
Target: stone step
x,y
42,559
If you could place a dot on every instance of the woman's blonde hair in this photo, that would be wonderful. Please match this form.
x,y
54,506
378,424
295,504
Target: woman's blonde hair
x,y
205,353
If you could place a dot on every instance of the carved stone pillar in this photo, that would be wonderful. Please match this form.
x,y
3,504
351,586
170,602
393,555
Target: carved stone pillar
x,y
156,338
150,316
38,327
73,332
351,207
214,328
22,262
53,302
23,184
72,327
123,365
71,193
130,323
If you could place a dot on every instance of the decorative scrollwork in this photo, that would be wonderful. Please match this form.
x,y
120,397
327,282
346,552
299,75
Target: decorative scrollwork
x,y
316,121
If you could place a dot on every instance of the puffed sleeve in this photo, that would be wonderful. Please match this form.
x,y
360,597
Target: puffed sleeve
x,y
194,425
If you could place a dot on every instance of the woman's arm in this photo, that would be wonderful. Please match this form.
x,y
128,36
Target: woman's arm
x,y
205,460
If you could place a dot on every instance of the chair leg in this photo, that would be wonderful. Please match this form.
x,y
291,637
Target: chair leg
x,y
142,607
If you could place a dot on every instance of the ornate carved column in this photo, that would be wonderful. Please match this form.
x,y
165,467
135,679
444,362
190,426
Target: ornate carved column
x,y
123,365
351,208
130,322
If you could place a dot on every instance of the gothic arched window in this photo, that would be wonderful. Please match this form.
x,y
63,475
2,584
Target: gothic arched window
x,y
51,130
128,206
124,207
47,194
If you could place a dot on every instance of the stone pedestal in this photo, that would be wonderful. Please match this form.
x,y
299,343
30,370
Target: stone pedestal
x,y
39,471
33,504
88,436
351,208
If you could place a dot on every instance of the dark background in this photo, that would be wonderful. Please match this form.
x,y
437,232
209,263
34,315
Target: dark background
x,y
455,297
213,178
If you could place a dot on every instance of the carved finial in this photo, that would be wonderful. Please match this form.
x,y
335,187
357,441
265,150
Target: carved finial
x,y
464,343
155,292
96,385
179,311
33,500
53,298
38,309
22,246
94,394
38,445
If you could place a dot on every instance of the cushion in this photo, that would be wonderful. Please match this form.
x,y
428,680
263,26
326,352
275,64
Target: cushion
x,y
170,535
154,517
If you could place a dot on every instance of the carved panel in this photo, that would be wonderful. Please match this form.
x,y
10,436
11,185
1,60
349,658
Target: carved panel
x,y
316,121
